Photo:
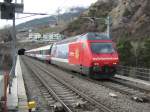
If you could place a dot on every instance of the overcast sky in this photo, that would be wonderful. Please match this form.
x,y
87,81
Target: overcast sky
x,y
46,6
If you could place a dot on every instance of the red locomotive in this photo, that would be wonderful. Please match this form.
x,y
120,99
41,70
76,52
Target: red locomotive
x,y
92,54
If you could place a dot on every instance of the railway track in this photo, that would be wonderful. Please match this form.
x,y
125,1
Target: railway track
x,y
62,96
134,92
131,84
50,101
125,87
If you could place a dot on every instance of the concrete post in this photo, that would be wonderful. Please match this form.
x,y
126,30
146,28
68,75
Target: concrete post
x,y
108,26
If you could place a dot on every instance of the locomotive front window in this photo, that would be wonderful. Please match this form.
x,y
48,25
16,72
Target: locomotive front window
x,y
102,48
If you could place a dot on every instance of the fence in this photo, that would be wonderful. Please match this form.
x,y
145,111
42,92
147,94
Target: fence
x,y
3,89
140,73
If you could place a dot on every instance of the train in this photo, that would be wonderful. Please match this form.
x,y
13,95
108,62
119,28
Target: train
x,y
92,54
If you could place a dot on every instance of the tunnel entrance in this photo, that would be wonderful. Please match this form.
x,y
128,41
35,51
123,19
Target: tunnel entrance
x,y
21,51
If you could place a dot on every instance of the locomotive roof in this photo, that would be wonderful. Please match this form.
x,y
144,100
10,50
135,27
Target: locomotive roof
x,y
86,36
97,36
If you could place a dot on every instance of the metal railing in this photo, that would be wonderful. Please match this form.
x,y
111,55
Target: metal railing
x,y
6,81
135,72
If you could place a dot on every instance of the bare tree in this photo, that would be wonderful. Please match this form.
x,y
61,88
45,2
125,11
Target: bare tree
x,y
5,34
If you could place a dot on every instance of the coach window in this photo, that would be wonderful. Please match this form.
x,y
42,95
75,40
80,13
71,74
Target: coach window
x,y
53,52
50,49
66,49
83,38
44,52
47,52
40,52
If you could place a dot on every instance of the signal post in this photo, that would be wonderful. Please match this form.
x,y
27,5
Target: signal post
x,y
7,12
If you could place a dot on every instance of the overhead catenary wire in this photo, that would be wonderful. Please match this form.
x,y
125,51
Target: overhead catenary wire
x,y
59,9
33,14
26,17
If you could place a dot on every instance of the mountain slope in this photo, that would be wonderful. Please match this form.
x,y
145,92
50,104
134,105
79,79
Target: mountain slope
x,y
130,18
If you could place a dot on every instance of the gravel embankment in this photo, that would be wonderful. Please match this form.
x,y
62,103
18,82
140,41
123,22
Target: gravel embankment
x,y
122,103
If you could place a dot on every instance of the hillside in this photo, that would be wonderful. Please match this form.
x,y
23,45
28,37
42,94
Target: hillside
x,y
65,17
130,18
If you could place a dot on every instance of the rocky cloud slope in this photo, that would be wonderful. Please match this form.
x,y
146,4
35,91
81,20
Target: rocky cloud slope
x,y
130,18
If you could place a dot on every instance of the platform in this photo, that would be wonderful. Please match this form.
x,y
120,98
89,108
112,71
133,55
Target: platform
x,y
17,100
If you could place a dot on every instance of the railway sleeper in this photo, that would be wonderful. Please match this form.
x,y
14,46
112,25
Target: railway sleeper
x,y
62,92
140,98
46,95
49,97
50,102
61,89
57,107
69,102
79,103
68,98
67,95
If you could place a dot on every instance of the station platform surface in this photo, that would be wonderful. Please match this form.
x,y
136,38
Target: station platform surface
x,y
146,83
17,100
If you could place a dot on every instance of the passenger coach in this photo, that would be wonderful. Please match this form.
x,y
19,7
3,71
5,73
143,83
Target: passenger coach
x,y
41,53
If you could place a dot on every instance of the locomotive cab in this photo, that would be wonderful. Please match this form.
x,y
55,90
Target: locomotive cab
x,y
97,56
105,58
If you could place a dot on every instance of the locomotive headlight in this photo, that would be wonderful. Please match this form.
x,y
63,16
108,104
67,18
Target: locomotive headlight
x,y
96,68
114,63
96,64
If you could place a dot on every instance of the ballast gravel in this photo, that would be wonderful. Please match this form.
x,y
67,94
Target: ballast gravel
x,y
120,103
